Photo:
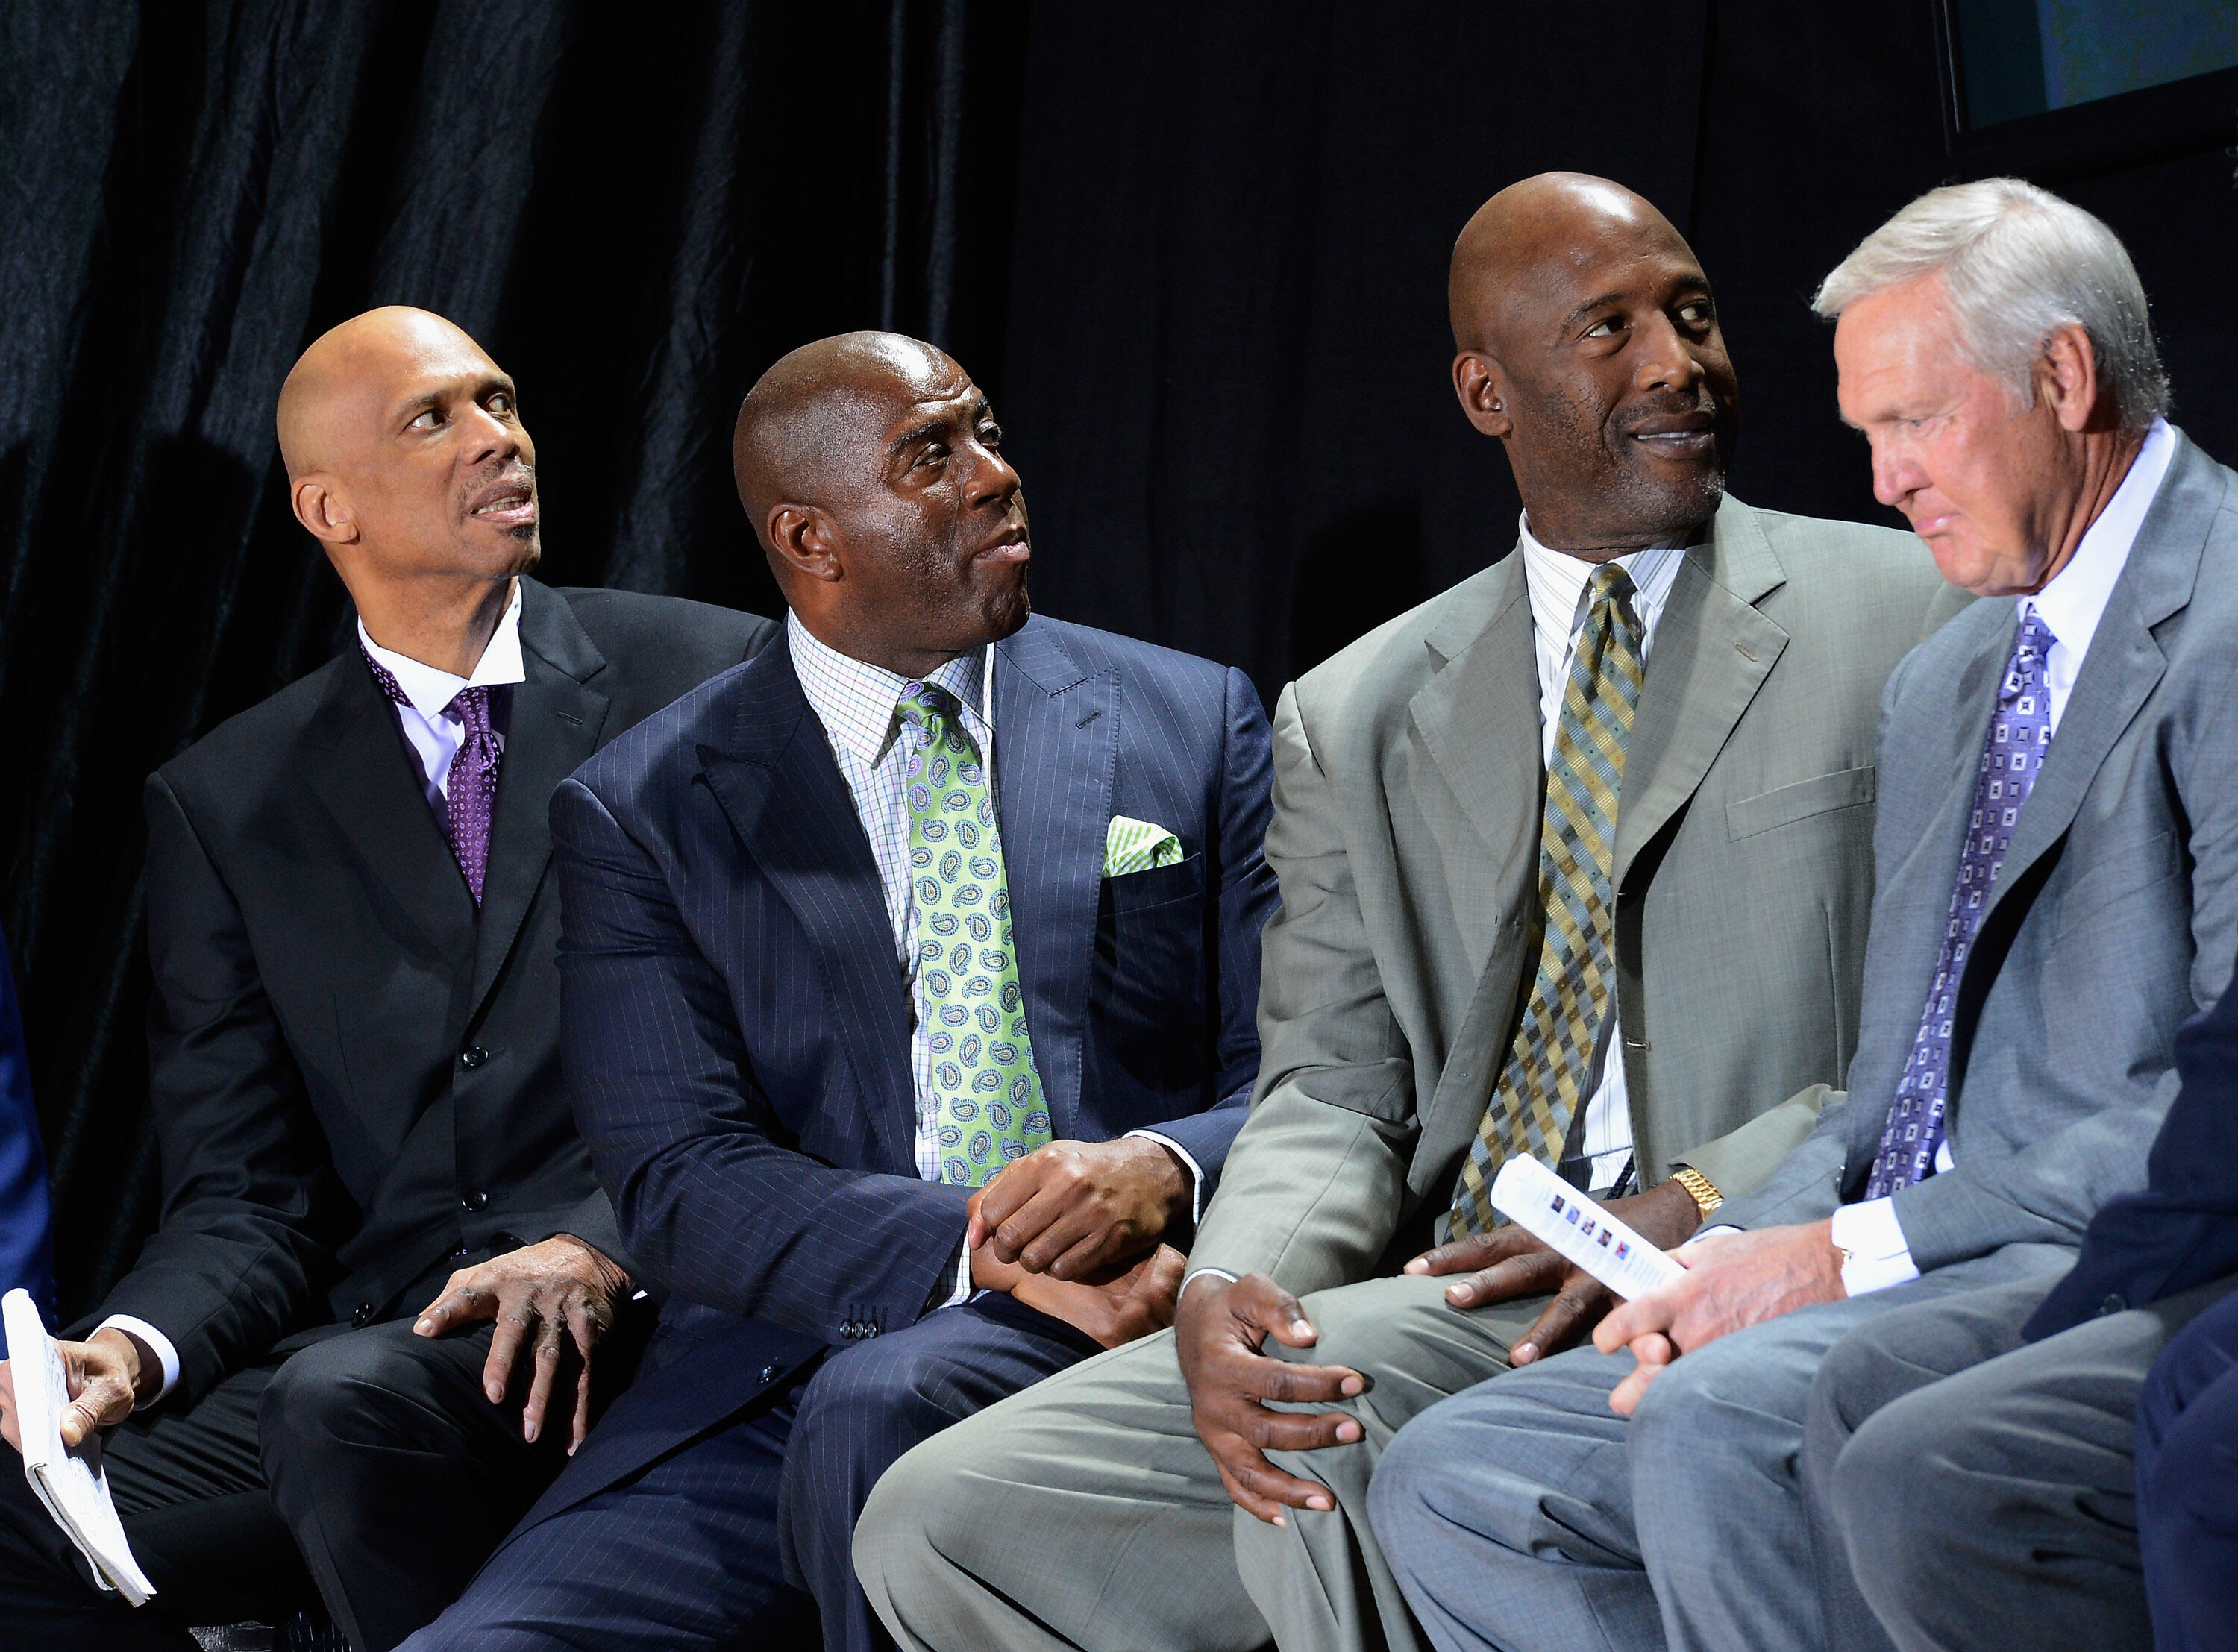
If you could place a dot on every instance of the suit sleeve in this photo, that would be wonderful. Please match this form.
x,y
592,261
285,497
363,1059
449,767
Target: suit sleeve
x,y
1314,1185
711,1202
248,1196
1246,894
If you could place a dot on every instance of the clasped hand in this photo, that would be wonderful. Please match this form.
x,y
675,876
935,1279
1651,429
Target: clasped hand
x,y
552,1302
1073,1229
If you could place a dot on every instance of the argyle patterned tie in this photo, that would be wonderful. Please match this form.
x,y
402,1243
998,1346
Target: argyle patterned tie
x,y
1543,1083
2012,754
986,1091
470,785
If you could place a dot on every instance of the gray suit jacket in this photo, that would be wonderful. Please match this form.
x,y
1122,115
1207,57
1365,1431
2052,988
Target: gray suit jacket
x,y
1407,790
2114,915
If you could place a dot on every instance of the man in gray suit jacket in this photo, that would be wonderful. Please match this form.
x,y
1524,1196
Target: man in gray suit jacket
x,y
1476,950
2058,827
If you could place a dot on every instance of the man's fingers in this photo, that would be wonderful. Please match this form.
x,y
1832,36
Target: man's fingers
x,y
549,1337
582,1424
1263,1305
1250,1502
1251,1470
1072,1230
1577,1304
1518,1276
505,1347
1636,1318
1301,1431
463,1305
1026,1223
1478,1250
1266,1378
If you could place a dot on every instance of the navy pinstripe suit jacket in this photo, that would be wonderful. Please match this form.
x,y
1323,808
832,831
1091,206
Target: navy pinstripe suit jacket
x,y
737,1026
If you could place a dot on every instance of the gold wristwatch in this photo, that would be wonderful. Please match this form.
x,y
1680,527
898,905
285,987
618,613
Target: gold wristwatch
x,y
1700,1188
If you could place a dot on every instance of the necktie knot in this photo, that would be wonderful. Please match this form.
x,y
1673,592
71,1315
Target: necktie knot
x,y
1609,582
470,707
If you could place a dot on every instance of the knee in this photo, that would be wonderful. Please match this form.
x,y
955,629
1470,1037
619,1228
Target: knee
x,y
1401,1494
863,1393
335,1396
914,1510
1894,1521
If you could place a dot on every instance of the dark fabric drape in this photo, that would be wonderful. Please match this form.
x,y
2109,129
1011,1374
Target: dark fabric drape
x,y
634,208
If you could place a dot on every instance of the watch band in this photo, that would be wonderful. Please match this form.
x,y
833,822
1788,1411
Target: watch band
x,y
1700,1188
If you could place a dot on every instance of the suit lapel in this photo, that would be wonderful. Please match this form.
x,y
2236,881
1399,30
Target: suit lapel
x,y
554,727
1712,653
1056,751
2125,662
783,796
356,761
1477,721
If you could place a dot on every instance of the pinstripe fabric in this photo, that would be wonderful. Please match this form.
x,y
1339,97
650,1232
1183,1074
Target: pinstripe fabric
x,y
1544,1078
739,1041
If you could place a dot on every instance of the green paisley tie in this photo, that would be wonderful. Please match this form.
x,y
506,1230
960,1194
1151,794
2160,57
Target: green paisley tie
x,y
1544,1082
988,1096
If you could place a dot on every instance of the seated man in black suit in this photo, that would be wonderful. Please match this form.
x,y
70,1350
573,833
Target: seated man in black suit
x,y
933,890
365,1324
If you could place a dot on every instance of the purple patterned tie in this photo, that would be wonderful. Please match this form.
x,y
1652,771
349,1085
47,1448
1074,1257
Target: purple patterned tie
x,y
470,788
2020,733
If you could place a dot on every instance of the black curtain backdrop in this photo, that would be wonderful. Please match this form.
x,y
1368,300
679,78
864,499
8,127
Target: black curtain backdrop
x,y
1196,252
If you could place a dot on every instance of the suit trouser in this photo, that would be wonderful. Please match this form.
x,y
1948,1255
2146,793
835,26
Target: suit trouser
x,y
1996,1506
2187,1465
374,1452
1086,1513
707,1547
1525,1514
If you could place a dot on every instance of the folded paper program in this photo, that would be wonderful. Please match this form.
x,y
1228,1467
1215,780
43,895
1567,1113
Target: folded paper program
x,y
70,1483
1137,846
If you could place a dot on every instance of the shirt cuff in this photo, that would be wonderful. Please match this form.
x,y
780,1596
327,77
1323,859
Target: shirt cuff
x,y
1878,1255
165,1352
963,1290
1196,1173
1191,1277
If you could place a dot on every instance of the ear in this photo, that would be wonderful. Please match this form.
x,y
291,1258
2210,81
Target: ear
x,y
1485,396
803,540
323,509
2067,378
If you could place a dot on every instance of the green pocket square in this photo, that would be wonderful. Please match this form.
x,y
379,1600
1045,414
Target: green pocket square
x,y
1137,846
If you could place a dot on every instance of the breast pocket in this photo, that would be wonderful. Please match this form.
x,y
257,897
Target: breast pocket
x,y
1147,997
1784,805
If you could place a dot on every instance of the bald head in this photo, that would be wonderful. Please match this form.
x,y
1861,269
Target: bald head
x,y
1530,236
1586,341
407,461
870,467
818,411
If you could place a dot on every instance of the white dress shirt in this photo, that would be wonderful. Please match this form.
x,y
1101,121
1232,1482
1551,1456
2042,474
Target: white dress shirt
x,y
857,703
2071,605
434,732
434,737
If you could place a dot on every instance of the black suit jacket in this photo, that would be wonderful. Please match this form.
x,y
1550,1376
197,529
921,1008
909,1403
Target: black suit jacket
x,y
354,1073
2181,1230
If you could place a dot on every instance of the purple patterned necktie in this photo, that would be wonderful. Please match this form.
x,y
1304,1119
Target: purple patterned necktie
x,y
470,788
2020,733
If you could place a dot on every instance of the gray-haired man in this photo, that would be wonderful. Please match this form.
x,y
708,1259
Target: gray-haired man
x,y
2054,850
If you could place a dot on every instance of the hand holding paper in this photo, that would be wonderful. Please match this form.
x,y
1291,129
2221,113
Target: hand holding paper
x,y
69,1481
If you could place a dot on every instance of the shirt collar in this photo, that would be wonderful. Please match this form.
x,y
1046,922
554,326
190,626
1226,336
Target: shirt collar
x,y
856,699
431,690
1557,581
2075,599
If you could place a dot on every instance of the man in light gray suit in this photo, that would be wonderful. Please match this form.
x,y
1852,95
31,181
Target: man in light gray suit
x,y
1477,953
2058,829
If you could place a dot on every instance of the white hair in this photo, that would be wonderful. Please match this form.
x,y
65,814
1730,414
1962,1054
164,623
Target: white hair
x,y
2018,263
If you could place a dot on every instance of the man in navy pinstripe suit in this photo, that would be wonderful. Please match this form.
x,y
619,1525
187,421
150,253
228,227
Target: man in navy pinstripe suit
x,y
910,974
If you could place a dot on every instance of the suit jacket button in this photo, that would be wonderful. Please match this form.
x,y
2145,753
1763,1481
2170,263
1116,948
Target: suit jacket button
x,y
472,1058
769,1374
364,1314
2115,1303
475,1200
